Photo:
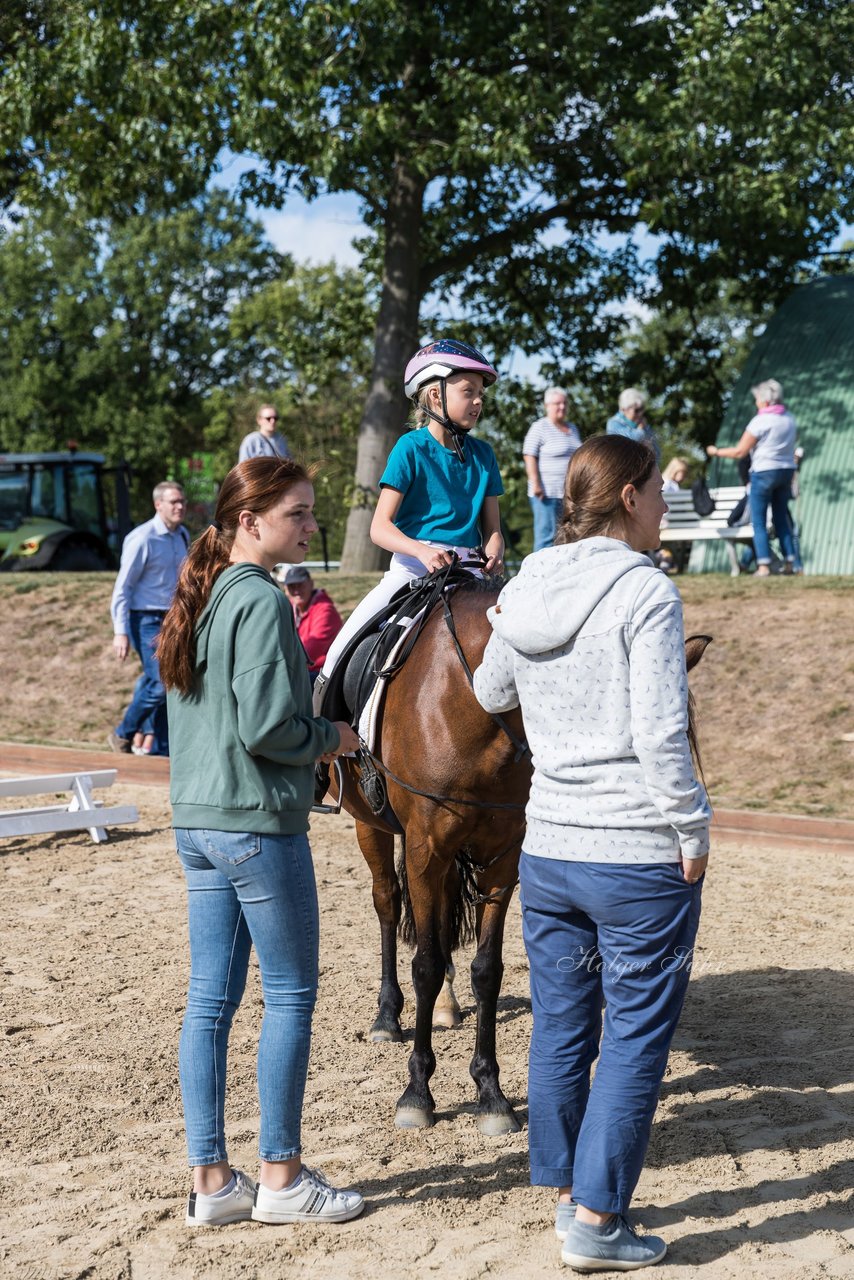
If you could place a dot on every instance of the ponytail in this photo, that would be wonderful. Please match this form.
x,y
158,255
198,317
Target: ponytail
x,y
597,475
176,645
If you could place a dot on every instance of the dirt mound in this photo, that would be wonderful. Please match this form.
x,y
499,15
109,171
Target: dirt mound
x,y
775,692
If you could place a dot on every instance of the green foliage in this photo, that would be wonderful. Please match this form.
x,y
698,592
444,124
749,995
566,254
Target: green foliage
x,y
502,153
743,159
112,334
310,335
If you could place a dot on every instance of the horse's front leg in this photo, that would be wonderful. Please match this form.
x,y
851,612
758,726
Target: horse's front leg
x,y
494,1113
416,1108
378,850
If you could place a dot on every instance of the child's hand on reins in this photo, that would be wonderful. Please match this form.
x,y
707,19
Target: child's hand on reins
x,y
434,559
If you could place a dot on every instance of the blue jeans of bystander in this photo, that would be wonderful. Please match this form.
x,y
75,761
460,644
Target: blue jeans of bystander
x,y
546,513
625,933
147,710
774,487
248,890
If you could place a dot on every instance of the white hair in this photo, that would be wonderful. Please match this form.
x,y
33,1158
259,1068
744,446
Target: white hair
x,y
768,392
554,393
631,398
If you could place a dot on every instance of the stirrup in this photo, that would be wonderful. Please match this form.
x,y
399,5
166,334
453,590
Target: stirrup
x,y
332,808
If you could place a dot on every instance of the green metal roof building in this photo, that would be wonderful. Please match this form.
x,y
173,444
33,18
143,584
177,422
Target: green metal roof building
x,y
808,346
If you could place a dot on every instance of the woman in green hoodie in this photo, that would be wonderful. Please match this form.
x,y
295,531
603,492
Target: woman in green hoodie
x,y
244,745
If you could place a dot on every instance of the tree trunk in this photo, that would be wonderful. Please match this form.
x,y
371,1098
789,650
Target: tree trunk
x,y
396,340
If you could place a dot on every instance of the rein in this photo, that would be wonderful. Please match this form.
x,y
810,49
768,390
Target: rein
x,y
382,768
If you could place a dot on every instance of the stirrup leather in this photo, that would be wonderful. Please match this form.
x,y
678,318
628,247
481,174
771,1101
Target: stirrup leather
x,y
321,778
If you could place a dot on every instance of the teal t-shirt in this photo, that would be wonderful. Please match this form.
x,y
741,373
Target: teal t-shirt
x,y
442,497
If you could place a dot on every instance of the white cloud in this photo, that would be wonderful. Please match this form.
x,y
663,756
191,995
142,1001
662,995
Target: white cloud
x,y
315,232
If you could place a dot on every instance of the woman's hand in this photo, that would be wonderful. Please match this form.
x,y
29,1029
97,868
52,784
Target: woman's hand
x,y
712,450
494,564
693,868
348,742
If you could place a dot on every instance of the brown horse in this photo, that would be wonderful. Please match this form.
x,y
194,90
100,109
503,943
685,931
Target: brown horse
x,y
458,782
458,786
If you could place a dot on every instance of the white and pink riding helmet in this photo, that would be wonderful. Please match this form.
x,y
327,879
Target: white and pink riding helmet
x,y
442,359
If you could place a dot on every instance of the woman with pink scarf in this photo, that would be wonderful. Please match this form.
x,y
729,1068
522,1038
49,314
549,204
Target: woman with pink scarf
x,y
769,438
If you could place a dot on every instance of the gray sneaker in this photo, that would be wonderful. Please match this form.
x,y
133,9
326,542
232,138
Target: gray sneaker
x,y
615,1247
563,1217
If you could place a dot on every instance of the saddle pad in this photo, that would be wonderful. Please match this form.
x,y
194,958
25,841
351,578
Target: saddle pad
x,y
369,718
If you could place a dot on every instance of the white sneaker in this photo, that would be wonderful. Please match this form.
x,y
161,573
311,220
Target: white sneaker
x,y
311,1200
217,1210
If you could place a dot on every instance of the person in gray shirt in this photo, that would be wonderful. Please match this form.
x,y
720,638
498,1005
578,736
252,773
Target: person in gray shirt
x,y
769,440
266,441
550,443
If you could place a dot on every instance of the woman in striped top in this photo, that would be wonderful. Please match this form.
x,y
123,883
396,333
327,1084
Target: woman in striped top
x,y
548,447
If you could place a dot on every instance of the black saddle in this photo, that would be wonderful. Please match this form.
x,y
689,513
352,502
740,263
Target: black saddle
x,y
367,657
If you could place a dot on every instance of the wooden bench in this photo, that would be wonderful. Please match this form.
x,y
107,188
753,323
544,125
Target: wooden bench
x,y
75,815
684,525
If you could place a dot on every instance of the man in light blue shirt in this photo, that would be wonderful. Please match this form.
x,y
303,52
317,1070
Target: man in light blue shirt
x,y
152,556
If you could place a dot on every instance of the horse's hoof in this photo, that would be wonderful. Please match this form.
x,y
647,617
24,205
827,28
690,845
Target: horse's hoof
x,y
494,1126
413,1118
385,1035
447,1018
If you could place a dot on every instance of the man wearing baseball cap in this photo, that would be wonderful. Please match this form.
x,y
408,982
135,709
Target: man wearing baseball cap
x,y
318,621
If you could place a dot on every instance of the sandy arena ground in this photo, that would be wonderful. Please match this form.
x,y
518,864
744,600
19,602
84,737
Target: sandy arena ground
x,y
750,1168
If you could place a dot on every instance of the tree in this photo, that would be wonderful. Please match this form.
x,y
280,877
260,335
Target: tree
x,y
491,146
311,334
112,334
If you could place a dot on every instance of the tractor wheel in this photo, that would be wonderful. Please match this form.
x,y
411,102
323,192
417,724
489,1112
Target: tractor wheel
x,y
77,557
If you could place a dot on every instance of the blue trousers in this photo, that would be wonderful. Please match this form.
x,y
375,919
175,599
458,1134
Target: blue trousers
x,y
594,931
248,890
546,512
147,710
772,488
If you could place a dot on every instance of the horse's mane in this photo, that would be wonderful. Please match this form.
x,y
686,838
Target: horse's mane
x,y
487,585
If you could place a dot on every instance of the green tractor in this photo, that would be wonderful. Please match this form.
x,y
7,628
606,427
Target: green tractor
x,y
57,512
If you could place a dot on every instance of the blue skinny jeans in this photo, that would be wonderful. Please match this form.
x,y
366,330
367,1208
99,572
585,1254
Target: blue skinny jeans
x,y
622,933
772,488
247,890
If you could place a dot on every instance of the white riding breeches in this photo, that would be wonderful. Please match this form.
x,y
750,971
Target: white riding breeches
x,y
402,570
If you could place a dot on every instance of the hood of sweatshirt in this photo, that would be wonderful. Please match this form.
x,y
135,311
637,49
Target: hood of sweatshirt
x,y
557,589
226,582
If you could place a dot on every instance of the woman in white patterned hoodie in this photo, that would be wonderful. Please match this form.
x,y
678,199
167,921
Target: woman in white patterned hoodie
x,y
588,641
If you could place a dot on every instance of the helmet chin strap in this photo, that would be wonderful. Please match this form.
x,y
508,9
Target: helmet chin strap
x,y
457,433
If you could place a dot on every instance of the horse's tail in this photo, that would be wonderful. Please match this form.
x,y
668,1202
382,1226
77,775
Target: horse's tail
x,y
463,902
